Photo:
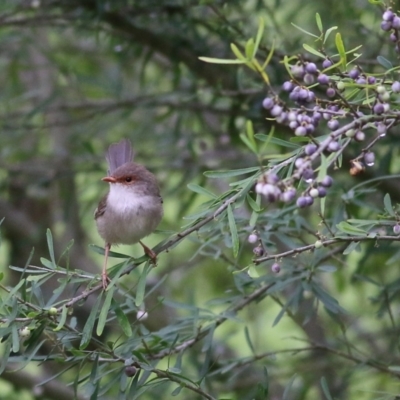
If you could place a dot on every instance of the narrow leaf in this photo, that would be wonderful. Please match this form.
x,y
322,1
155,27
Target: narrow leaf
x,y
388,205
63,318
340,47
238,53
303,30
233,229
384,62
122,319
220,61
141,287
328,32
104,311
325,389
319,22
50,245
260,33
313,51
229,173
249,49
200,190
88,328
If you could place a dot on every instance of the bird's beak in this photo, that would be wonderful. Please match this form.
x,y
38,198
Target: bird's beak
x,y
109,179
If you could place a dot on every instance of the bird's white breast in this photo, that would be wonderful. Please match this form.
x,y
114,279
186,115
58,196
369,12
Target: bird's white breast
x,y
129,216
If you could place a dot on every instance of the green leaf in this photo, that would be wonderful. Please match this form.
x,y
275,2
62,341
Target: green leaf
x,y
50,245
220,61
238,53
353,246
104,311
200,190
313,51
388,205
88,328
345,227
303,30
251,145
259,36
249,49
141,287
328,32
230,173
325,389
342,52
233,229
384,62
248,340
319,22
255,205
63,318
100,250
122,319
286,392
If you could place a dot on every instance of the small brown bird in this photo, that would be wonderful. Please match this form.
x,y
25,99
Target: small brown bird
x,y
132,209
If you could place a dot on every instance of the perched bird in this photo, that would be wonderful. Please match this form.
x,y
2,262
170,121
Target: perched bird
x,y
132,208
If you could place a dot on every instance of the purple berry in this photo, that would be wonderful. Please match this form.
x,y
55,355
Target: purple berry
x,y
309,79
268,103
288,195
321,191
252,238
310,149
299,162
396,22
323,79
258,251
333,124
327,181
354,73
130,371
388,15
369,158
272,178
288,86
326,63
297,71
308,175
333,146
382,129
300,131
359,136
378,108
396,87
361,80
330,92
293,125
396,229
311,68
276,110
371,80
275,268
386,26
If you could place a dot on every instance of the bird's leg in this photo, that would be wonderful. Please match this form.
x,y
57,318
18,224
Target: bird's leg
x,y
149,252
104,277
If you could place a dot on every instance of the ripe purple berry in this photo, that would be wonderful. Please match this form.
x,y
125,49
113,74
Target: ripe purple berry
x,y
309,79
288,86
396,22
359,136
304,201
378,108
333,124
396,229
310,149
258,251
268,103
369,158
275,268
354,73
323,79
388,15
396,87
311,68
333,146
300,131
308,175
321,191
297,71
288,195
327,181
130,371
276,110
386,26
326,63
330,92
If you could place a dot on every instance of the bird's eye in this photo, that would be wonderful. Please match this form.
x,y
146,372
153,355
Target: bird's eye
x,y
128,179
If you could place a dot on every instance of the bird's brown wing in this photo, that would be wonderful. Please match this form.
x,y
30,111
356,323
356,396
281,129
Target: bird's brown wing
x,y
101,208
